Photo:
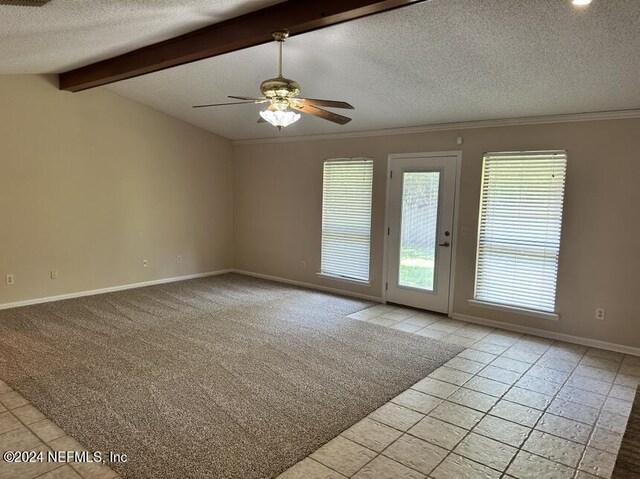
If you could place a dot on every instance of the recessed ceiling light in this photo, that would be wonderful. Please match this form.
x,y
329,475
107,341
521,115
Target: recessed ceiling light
x,y
581,3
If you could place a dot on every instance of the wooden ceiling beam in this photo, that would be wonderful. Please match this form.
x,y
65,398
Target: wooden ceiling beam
x,y
251,29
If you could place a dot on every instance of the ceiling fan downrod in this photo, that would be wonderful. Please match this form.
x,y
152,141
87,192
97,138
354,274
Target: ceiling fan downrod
x,y
280,37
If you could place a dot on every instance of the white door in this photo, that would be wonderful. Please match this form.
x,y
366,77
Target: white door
x,y
420,230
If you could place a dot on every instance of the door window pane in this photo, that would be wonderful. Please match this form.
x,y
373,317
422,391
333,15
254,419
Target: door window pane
x,y
418,233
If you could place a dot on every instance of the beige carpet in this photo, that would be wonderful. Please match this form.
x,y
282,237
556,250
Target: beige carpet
x,y
222,377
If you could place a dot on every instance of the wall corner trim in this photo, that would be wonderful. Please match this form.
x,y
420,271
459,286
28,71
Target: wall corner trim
x,y
110,289
594,343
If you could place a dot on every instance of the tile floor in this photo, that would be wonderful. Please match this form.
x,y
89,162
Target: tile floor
x,y
508,406
24,428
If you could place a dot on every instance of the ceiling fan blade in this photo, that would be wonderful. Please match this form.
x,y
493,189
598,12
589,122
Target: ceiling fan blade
x,y
328,103
320,113
223,104
256,100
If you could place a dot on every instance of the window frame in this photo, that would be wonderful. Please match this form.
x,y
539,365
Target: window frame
x,y
329,274
514,308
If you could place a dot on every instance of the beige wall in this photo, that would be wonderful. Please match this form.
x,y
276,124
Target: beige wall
x,y
278,215
92,183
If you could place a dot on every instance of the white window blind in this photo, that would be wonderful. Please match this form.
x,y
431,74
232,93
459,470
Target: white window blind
x,y
519,229
346,218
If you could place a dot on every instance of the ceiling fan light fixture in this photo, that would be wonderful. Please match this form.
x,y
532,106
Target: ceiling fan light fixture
x,y
282,95
280,118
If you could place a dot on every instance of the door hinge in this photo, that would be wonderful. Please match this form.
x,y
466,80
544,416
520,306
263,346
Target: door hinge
x,y
386,286
388,231
391,175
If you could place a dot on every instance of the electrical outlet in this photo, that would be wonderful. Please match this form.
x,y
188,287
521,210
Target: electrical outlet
x,y
179,259
145,263
303,264
11,279
600,314
53,274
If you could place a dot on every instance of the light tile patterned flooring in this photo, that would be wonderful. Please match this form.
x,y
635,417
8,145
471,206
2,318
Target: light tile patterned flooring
x,y
24,428
508,406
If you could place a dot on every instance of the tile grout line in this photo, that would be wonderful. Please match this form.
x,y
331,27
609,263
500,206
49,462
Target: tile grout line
x,y
450,451
544,411
381,453
407,431
600,410
553,397
399,430
511,386
532,428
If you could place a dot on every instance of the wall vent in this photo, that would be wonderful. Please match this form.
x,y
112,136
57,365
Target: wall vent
x,y
24,3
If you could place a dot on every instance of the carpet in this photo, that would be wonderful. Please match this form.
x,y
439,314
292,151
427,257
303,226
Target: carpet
x,y
628,461
220,377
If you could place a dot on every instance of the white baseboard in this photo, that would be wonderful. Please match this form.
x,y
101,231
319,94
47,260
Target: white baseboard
x,y
111,289
342,292
594,343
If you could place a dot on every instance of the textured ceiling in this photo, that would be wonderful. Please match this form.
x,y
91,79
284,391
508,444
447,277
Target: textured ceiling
x,y
434,62
66,34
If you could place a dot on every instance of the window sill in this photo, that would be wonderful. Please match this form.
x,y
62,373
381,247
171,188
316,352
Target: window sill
x,y
342,279
515,309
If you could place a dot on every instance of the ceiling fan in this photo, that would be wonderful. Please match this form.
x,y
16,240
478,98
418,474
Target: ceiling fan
x,y
282,95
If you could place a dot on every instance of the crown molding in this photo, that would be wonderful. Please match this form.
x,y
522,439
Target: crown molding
x,y
531,120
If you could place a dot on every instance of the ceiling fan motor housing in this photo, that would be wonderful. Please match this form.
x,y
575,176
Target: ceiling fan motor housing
x,y
280,88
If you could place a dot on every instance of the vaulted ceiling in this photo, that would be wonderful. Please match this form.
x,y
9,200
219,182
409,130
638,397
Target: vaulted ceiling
x,y
433,62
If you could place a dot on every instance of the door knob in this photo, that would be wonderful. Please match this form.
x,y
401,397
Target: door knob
x,y
445,244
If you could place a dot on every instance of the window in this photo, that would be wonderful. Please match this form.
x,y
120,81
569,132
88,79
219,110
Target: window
x,y
519,229
346,218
